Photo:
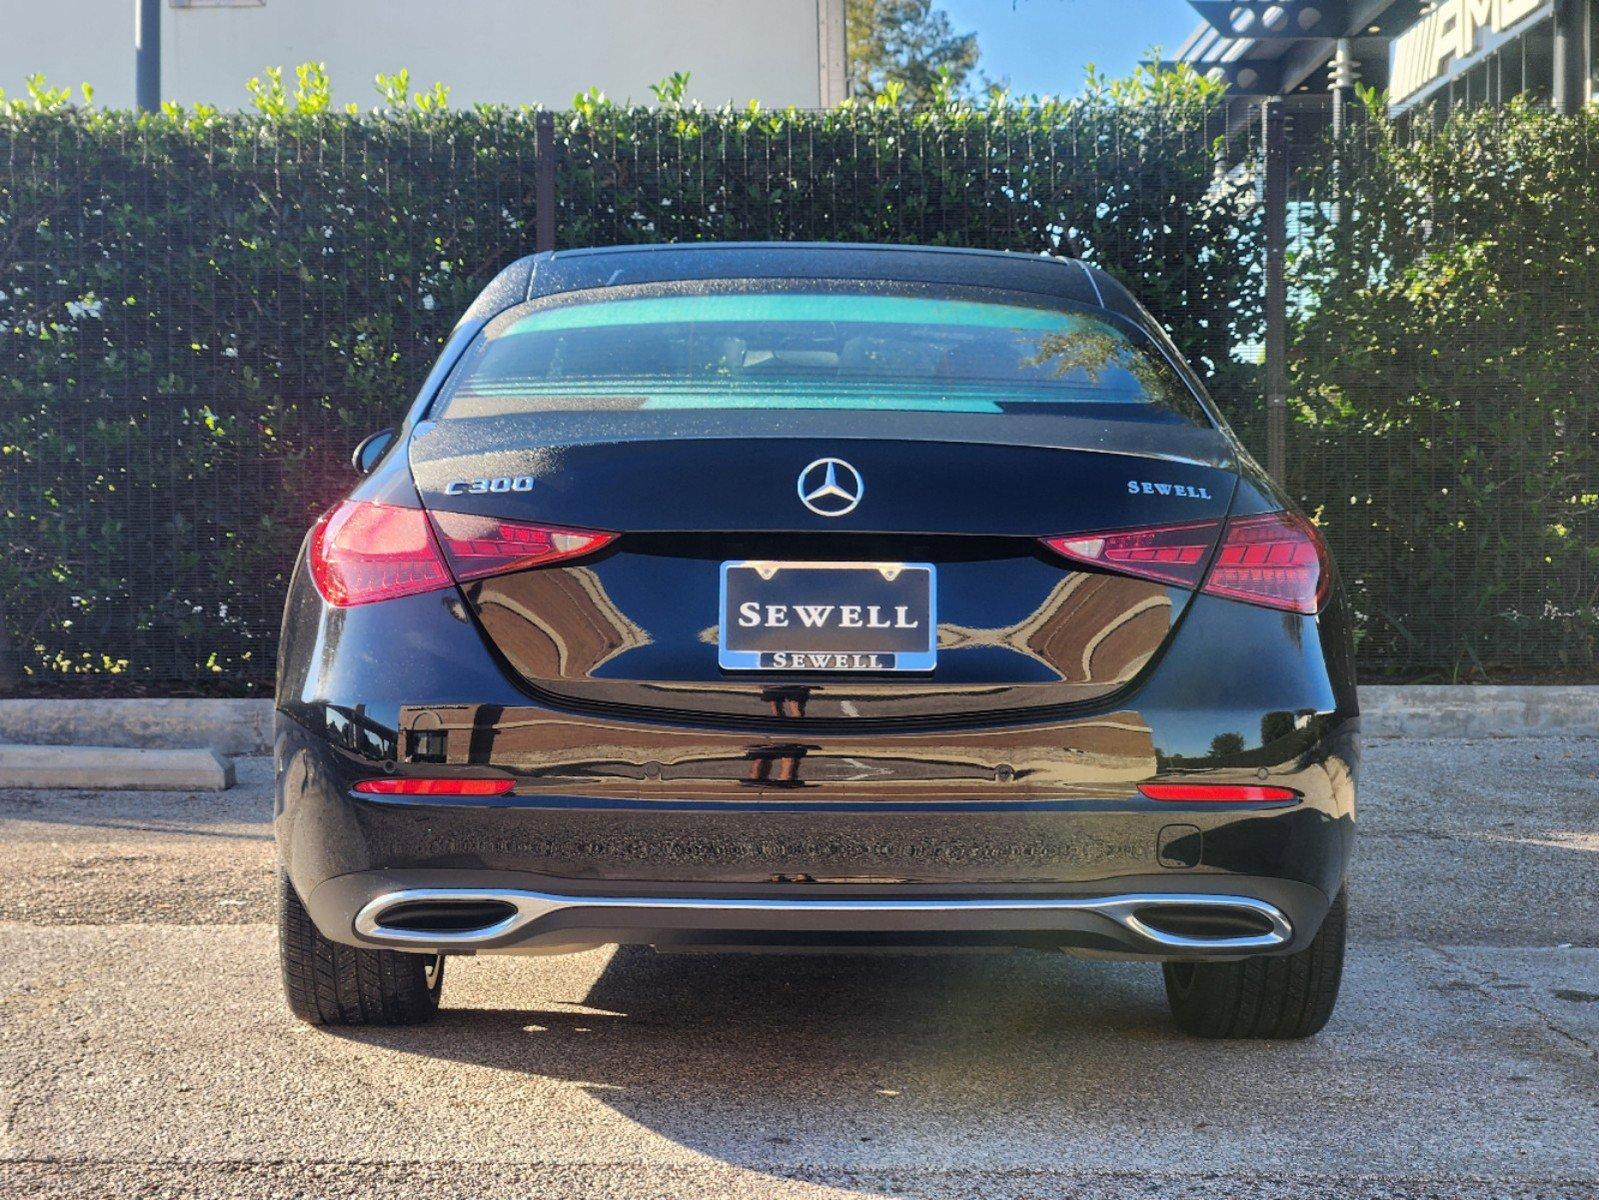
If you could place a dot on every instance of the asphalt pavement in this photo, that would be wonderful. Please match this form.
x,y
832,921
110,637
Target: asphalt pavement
x,y
144,1049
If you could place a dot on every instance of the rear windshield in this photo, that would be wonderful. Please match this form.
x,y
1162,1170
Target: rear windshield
x,y
756,346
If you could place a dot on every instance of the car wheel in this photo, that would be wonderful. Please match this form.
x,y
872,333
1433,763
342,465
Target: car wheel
x,y
329,983
1289,996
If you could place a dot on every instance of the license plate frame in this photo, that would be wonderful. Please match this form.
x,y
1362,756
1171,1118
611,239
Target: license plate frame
x,y
897,592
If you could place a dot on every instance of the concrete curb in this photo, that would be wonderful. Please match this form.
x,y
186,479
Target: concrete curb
x,y
1446,711
226,726
96,768
245,726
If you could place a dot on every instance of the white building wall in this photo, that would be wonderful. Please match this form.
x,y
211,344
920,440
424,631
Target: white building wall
x,y
780,52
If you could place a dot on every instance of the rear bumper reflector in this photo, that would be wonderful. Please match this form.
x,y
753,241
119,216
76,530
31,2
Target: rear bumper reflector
x,y
1217,793
395,786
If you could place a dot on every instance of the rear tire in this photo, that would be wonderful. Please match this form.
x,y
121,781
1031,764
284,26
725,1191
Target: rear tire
x,y
329,983
1289,996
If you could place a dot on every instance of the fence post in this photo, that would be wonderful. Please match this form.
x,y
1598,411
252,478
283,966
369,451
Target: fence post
x,y
1341,79
147,55
1275,202
544,182
1569,84
10,676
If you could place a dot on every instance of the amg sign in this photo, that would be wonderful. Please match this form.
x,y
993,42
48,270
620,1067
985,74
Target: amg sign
x,y
1450,38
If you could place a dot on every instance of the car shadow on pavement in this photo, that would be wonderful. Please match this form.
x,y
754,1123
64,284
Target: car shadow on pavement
x,y
758,1060
814,1000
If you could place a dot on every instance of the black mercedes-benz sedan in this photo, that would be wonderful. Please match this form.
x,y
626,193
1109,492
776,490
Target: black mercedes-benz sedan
x,y
782,597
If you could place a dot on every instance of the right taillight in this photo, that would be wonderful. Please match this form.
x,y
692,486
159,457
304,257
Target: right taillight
x,y
1169,553
1217,793
1275,559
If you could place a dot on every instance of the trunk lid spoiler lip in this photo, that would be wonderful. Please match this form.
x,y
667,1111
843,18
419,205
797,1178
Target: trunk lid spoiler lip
x,y
432,440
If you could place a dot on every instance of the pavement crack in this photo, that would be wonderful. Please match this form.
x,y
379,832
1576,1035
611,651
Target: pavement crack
x,y
1501,995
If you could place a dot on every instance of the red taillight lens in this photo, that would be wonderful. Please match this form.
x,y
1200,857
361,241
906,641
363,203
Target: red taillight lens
x,y
391,786
1276,559
362,552
1167,553
1217,793
478,546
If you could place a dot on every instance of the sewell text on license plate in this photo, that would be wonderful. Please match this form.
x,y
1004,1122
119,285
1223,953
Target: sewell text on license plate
x,y
820,616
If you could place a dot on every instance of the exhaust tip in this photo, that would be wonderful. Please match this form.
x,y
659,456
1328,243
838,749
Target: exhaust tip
x,y
1205,923
444,916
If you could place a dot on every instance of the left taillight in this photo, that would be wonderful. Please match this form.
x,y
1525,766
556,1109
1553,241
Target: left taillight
x,y
363,551
479,546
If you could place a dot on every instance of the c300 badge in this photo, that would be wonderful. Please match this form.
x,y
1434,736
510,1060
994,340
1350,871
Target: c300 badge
x,y
499,485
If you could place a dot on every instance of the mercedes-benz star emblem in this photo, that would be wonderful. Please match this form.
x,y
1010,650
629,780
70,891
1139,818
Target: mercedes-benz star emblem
x,y
830,487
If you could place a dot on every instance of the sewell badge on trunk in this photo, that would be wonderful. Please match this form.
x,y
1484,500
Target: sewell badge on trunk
x,y
818,616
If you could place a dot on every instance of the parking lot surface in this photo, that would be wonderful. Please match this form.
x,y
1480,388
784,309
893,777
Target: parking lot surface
x,y
144,1048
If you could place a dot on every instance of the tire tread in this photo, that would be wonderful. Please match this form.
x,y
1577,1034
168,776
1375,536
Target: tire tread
x,y
1286,996
329,983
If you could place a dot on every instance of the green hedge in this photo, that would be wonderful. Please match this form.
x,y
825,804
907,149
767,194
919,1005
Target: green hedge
x,y
200,314
1447,391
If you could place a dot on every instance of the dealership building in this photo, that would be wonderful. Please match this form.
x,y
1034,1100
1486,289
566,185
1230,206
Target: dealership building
x,y
491,51
1433,55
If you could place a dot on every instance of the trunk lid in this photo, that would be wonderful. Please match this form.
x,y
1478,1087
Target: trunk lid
x,y
635,626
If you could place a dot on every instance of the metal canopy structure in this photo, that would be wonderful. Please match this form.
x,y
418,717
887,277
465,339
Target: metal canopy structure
x,y
1286,47
1277,20
1249,77
1408,48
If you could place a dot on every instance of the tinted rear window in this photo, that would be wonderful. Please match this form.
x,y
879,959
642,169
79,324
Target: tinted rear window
x,y
762,345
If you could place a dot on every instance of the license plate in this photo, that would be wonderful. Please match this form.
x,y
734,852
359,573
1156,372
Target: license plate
x,y
828,617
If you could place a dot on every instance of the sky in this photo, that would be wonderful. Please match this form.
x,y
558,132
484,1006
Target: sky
x,y
1043,45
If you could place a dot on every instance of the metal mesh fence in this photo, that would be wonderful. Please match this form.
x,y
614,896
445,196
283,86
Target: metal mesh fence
x,y
201,323
201,320
1444,367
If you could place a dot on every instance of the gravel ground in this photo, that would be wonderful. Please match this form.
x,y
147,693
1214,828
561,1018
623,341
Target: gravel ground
x,y
144,1048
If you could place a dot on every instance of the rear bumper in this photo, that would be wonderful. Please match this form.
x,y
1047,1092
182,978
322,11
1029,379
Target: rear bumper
x,y
576,869
470,912
672,819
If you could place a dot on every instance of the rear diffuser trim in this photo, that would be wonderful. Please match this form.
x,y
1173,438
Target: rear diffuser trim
x,y
1122,914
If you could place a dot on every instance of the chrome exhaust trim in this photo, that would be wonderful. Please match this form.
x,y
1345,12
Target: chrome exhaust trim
x,y
1126,912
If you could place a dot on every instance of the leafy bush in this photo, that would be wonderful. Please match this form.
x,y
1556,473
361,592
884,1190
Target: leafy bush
x,y
1447,369
200,313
